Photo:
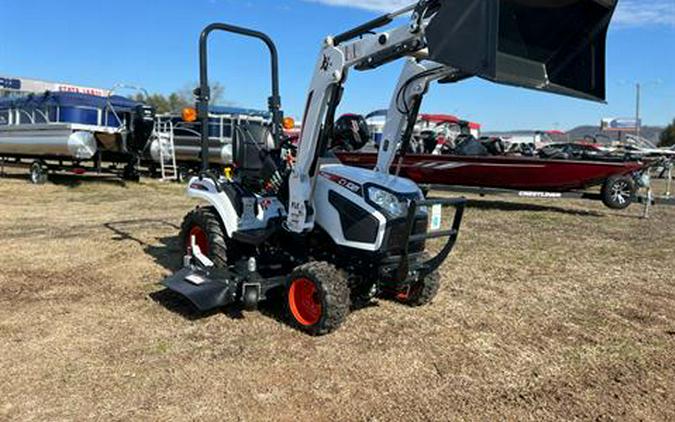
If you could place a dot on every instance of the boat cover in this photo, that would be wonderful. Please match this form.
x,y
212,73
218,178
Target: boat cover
x,y
73,108
68,99
237,111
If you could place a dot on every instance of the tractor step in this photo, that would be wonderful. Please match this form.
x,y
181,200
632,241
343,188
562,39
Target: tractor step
x,y
206,291
254,237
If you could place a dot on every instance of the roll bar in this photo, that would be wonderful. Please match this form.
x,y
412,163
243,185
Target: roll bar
x,y
203,92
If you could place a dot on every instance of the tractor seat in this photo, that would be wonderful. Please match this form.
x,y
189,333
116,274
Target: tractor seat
x,y
252,147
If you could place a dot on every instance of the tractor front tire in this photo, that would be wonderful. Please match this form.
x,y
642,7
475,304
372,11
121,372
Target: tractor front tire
x,y
317,298
203,223
421,292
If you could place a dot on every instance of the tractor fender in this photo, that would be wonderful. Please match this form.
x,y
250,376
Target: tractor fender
x,y
205,189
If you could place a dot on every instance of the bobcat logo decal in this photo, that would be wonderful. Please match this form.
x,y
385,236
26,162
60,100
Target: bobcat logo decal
x,y
326,64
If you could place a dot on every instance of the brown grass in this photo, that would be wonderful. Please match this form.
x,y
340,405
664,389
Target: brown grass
x,y
550,310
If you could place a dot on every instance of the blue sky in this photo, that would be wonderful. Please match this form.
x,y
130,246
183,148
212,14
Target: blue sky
x,y
154,44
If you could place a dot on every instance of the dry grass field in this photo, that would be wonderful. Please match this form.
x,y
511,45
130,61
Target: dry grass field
x,y
550,310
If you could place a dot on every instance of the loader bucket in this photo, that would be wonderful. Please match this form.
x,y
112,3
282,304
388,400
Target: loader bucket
x,y
547,45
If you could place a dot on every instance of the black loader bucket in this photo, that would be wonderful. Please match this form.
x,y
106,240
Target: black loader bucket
x,y
547,45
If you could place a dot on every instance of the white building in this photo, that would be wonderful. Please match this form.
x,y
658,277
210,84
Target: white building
x,y
12,86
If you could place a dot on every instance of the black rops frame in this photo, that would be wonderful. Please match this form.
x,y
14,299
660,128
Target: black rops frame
x,y
203,93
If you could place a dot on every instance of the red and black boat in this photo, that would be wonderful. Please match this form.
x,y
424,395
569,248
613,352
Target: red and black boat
x,y
619,179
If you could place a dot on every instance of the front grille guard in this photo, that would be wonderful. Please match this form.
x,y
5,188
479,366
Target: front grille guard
x,y
402,268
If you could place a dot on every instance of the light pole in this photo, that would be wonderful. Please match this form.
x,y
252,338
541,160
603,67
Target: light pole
x,y
637,109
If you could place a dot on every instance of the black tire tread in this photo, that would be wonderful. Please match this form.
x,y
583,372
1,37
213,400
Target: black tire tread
x,y
335,294
207,218
426,293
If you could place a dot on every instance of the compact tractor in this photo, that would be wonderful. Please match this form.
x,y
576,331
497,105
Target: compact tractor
x,y
292,219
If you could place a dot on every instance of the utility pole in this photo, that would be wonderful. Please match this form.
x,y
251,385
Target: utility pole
x,y
637,109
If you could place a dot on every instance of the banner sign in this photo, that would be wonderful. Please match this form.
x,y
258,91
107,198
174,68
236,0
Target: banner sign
x,y
620,124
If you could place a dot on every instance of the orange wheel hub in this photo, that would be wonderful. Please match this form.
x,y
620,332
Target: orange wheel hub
x,y
405,294
201,239
304,301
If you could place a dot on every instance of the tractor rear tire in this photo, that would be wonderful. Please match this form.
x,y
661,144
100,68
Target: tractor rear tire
x,y
618,192
317,298
421,292
204,224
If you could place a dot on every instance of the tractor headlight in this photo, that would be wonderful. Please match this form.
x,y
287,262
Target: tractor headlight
x,y
387,202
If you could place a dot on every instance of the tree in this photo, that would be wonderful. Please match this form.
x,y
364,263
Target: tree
x,y
177,101
187,93
668,135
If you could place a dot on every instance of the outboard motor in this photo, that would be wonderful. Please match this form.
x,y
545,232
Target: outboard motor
x,y
143,123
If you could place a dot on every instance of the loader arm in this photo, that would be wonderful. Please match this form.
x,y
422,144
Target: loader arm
x,y
404,107
337,56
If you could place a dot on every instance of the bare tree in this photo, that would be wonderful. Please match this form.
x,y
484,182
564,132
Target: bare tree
x,y
667,137
217,93
184,97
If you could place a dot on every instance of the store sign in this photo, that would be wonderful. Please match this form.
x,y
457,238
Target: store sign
x,y
83,90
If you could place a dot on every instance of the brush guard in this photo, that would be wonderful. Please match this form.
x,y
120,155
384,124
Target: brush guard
x,y
398,268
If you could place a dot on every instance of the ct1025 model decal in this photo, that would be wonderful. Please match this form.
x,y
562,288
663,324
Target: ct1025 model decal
x,y
345,183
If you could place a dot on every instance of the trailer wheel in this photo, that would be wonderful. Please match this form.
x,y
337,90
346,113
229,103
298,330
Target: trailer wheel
x,y
422,292
183,174
131,174
317,298
153,172
38,173
618,192
204,225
